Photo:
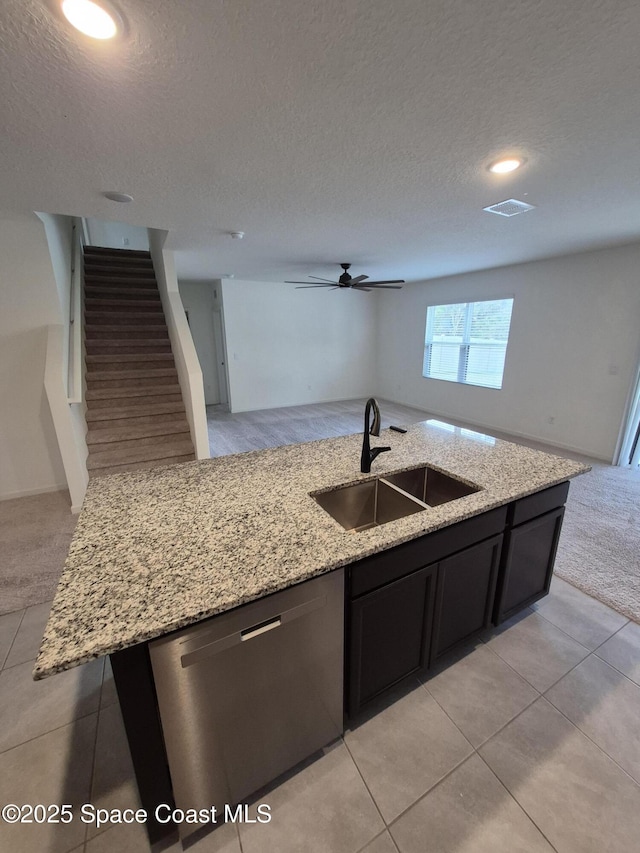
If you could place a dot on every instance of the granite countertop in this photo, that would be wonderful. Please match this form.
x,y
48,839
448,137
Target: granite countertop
x,y
159,549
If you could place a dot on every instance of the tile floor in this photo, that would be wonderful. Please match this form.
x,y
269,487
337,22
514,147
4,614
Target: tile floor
x,y
527,741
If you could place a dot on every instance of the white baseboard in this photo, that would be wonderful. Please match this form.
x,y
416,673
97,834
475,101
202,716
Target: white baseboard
x,y
41,490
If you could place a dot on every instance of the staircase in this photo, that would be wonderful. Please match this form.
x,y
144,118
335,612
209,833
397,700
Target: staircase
x,y
135,413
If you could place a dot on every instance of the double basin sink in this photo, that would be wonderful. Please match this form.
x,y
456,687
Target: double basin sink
x,y
361,506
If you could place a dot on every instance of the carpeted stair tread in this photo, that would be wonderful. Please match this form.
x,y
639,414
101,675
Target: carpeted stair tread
x,y
126,318
108,434
98,423
117,349
138,357
119,331
170,388
117,261
126,376
102,404
139,466
139,452
108,252
119,292
135,409
124,277
149,285
93,303
118,273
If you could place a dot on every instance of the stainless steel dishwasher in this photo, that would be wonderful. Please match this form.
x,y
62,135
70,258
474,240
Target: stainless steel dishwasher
x,y
246,695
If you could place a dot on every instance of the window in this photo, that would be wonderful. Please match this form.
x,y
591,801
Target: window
x,y
467,342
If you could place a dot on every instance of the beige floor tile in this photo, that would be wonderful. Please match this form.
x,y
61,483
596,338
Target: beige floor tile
x,y
123,838
382,844
29,637
9,624
132,838
469,812
114,785
324,808
404,749
623,651
480,693
575,794
54,768
223,839
586,620
605,705
537,650
30,708
109,693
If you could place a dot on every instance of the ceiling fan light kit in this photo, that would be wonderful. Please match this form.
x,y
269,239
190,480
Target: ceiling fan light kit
x,y
360,282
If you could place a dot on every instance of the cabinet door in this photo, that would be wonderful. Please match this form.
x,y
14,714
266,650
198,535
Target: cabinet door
x,y
465,594
527,567
390,633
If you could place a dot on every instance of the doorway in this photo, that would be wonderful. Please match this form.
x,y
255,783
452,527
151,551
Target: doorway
x,y
630,449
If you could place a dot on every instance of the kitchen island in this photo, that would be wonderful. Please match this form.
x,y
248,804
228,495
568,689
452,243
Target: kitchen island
x,y
156,551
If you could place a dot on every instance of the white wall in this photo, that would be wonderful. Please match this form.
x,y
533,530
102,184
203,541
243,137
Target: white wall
x,y
287,348
571,356
197,298
63,375
112,235
184,352
30,461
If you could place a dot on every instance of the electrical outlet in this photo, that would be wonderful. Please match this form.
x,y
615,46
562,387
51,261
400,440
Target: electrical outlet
x,y
125,241
551,419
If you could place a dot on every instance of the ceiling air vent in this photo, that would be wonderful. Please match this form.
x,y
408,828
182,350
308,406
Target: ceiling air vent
x,y
510,207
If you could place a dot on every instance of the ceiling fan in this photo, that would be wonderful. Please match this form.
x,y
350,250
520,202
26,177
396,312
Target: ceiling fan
x,y
360,282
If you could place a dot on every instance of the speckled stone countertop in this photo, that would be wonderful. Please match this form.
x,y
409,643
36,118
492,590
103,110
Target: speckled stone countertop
x,y
159,549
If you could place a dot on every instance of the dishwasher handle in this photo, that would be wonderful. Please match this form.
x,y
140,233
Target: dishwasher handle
x,y
236,637
260,628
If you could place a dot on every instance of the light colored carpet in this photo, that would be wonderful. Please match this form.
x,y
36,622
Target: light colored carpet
x,y
599,549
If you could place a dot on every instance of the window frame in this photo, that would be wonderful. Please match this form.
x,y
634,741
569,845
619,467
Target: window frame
x,y
465,345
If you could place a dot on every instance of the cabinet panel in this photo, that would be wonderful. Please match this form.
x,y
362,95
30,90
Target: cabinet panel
x,y
379,569
537,504
529,555
465,594
390,632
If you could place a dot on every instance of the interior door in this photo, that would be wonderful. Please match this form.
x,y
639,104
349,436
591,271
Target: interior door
x,y
218,338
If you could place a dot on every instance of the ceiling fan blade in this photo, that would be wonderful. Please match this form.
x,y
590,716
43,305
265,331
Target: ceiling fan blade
x,y
361,289
306,286
385,286
318,278
390,281
358,279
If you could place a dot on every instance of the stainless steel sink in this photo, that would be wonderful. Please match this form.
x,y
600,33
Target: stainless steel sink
x,y
431,486
361,506
364,505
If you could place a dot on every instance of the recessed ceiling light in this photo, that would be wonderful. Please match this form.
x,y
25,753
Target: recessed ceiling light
x,y
507,164
123,198
94,20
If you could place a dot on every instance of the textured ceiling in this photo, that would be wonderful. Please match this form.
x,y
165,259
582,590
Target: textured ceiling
x,y
331,130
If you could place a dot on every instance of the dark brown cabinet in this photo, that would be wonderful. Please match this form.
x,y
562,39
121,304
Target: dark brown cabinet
x,y
390,632
465,595
408,605
529,552
527,568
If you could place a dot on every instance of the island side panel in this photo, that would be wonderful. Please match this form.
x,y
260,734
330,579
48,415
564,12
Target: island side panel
x,y
136,692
